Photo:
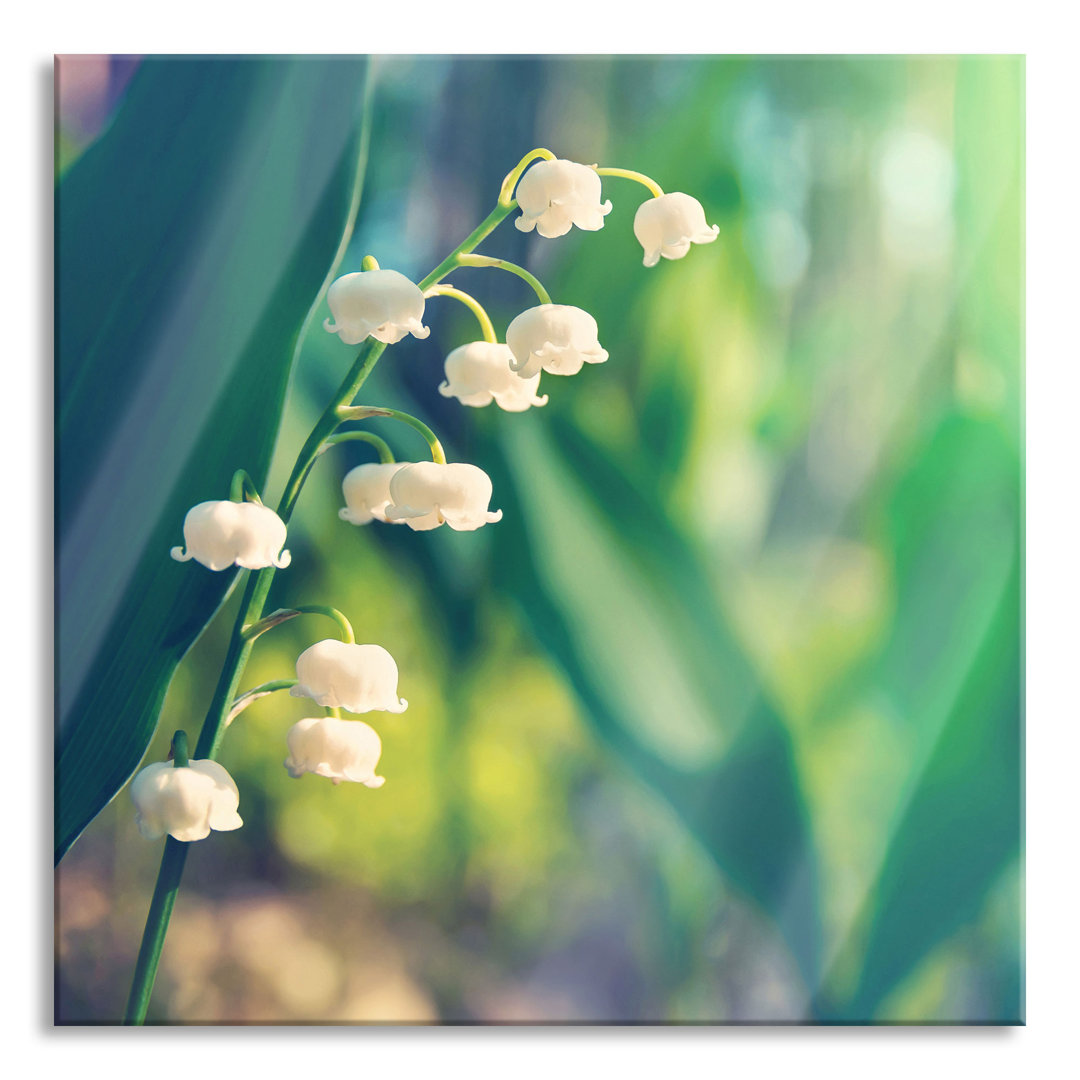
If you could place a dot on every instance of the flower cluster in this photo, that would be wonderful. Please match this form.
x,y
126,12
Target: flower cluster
x,y
187,799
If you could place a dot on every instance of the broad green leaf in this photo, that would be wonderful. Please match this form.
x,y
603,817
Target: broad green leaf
x,y
191,241
951,671
962,827
620,600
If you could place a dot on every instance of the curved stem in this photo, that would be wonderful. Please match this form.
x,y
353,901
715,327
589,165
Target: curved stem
x,y
243,487
641,178
276,618
513,268
363,412
386,455
506,192
474,305
248,697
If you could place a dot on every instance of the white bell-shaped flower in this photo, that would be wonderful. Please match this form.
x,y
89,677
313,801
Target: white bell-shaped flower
x,y
223,534
555,337
367,492
479,373
337,749
381,303
427,495
359,678
667,226
185,802
555,195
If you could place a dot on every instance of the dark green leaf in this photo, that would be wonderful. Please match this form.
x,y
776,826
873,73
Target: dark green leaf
x,y
952,670
191,241
622,602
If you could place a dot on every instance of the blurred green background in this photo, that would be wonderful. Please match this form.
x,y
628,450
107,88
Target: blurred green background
x,y
722,722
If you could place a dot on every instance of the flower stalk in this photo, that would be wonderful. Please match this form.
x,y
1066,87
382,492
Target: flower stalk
x,y
276,618
504,264
249,697
378,307
629,174
486,327
365,412
386,455
243,487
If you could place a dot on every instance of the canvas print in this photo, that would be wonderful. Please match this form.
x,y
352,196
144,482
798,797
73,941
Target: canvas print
x,y
538,540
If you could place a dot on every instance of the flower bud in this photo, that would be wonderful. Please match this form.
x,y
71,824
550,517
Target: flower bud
x,y
367,492
185,802
555,337
337,749
359,678
554,195
427,495
479,373
223,534
381,303
669,224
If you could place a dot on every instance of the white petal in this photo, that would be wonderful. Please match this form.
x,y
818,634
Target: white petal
x,y
360,678
367,492
556,195
334,748
185,802
667,226
223,533
382,304
556,338
426,494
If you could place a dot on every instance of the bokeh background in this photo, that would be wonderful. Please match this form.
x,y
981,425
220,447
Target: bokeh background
x,y
722,722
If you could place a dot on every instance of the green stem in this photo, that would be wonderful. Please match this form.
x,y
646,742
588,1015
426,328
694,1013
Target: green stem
x,y
364,412
248,697
641,178
251,607
179,750
506,193
386,455
472,304
481,232
513,268
243,487
276,618
157,923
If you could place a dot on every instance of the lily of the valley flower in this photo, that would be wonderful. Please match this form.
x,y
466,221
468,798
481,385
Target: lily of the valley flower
x,y
667,226
337,749
427,494
479,373
367,492
381,303
555,195
359,678
185,802
554,337
223,534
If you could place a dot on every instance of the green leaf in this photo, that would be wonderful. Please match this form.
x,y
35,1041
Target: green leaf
x,y
962,827
191,241
621,601
952,669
